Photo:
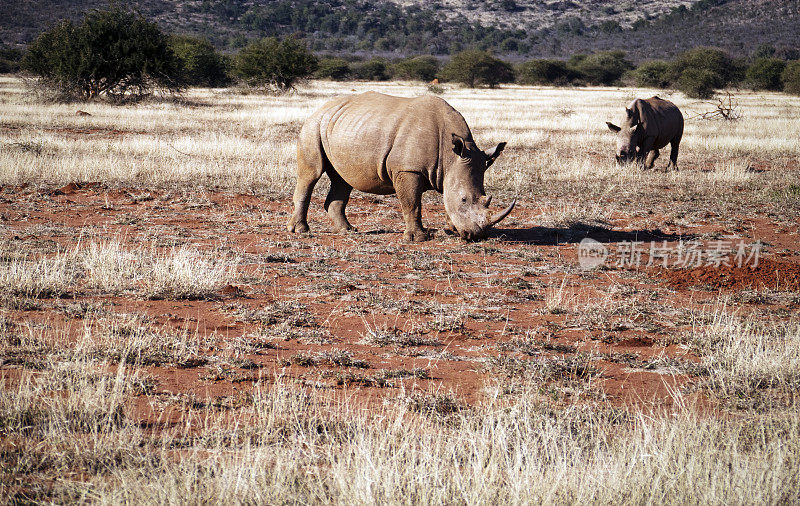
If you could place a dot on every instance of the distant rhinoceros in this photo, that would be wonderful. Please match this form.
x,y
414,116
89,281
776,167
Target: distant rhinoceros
x,y
381,144
649,125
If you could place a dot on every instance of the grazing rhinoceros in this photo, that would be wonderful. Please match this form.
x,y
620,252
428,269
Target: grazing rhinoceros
x,y
649,125
381,144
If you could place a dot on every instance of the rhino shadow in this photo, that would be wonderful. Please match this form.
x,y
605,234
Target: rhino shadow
x,y
575,233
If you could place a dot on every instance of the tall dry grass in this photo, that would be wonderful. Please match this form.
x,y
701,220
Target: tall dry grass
x,y
247,141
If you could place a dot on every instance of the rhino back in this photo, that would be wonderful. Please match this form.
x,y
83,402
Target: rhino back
x,y
661,119
368,138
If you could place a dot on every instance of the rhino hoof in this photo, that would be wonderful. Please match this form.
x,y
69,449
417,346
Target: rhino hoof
x,y
300,227
416,236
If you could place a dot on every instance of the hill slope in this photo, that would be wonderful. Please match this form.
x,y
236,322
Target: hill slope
x,y
517,28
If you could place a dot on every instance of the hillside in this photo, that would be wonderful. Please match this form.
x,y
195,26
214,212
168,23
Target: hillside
x,y
516,28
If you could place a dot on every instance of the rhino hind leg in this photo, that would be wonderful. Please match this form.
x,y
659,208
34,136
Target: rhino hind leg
x,y
673,155
409,190
337,199
310,166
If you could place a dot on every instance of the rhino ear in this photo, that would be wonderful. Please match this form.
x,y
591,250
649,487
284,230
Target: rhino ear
x,y
613,127
493,153
458,145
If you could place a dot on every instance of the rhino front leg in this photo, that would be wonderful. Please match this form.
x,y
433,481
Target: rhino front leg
x,y
337,199
651,159
644,152
409,188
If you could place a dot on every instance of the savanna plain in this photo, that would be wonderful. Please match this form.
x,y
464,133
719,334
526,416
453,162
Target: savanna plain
x,y
164,339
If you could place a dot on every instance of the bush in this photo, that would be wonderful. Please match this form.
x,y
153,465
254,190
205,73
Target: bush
x,y
475,67
697,82
373,70
420,68
544,72
602,68
9,60
765,74
717,66
791,77
113,52
200,64
273,63
335,69
652,74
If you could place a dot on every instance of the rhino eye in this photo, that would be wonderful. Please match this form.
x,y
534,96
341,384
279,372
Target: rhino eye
x,y
464,199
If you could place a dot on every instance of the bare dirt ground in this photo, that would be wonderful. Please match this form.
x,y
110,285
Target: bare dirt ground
x,y
369,313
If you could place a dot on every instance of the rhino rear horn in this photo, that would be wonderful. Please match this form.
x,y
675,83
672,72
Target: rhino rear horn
x,y
613,127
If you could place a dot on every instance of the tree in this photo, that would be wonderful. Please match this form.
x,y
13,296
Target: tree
x,y
791,77
605,67
112,52
765,74
274,63
420,68
200,64
474,67
544,72
652,74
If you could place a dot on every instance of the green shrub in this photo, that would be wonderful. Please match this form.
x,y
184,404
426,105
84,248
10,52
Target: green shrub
x,y
474,67
791,77
652,74
376,69
274,63
420,68
200,63
717,66
335,69
544,72
697,82
765,74
112,52
9,60
603,68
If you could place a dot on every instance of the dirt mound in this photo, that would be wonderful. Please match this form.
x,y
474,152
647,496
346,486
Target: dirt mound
x,y
766,274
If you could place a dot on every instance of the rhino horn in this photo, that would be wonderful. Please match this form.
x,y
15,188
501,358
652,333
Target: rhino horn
x,y
502,214
486,201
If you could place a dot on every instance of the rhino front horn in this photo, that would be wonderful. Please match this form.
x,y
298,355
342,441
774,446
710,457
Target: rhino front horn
x,y
502,214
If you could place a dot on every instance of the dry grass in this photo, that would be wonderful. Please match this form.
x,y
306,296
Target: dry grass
x,y
108,267
247,141
297,448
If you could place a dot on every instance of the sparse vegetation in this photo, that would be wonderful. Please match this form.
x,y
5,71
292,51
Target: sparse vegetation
x,y
163,339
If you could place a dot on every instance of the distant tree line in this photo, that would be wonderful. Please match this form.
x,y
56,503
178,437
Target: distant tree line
x,y
120,54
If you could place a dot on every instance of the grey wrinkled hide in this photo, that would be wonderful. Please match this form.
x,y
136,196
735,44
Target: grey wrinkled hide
x,y
381,144
649,125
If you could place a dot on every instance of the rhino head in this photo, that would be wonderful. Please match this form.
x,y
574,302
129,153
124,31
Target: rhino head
x,y
465,200
629,136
